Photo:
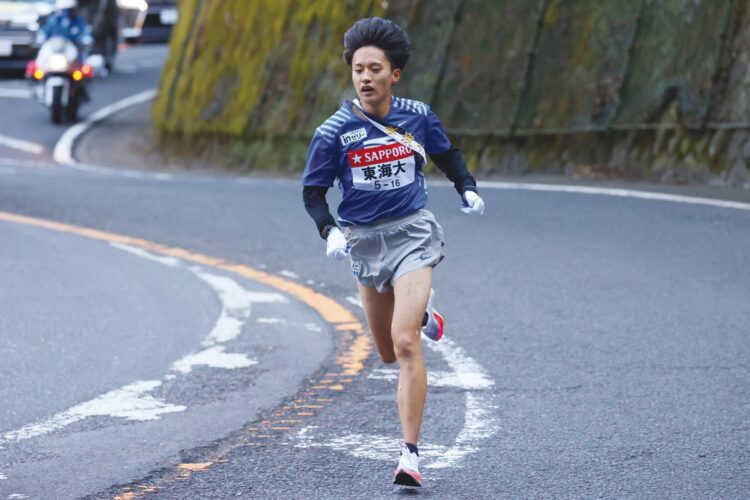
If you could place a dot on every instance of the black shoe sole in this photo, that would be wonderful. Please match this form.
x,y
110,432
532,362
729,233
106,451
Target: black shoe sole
x,y
404,479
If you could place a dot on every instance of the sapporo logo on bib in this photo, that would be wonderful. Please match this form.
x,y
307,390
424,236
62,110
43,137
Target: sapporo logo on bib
x,y
382,168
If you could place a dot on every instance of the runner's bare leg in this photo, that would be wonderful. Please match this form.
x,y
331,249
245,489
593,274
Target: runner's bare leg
x,y
379,312
411,292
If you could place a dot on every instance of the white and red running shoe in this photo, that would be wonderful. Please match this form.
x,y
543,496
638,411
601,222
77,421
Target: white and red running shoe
x,y
433,329
407,472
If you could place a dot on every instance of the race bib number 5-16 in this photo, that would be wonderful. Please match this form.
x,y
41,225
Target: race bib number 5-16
x,y
382,167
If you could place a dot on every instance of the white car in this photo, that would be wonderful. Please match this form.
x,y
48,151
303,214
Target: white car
x,y
147,20
19,22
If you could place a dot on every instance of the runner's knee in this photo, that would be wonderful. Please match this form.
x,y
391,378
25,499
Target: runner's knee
x,y
406,345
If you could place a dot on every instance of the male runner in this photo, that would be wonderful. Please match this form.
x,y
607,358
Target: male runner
x,y
376,147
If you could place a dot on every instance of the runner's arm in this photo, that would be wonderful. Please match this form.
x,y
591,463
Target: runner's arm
x,y
317,206
452,164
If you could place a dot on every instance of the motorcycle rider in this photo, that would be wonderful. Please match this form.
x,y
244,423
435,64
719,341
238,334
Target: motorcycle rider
x,y
66,22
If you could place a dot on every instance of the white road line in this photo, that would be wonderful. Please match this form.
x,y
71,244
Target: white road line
x,y
236,306
353,299
11,162
63,152
214,357
131,402
479,424
133,174
16,93
134,401
468,372
622,193
479,421
434,379
271,321
25,146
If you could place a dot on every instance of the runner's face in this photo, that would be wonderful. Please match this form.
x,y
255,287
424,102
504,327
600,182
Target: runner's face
x,y
373,77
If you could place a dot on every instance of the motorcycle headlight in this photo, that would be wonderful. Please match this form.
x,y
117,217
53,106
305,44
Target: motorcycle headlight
x,y
57,63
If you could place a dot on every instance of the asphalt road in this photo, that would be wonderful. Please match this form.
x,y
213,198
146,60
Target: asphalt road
x,y
596,347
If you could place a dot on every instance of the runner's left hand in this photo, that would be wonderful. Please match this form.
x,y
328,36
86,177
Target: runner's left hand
x,y
473,203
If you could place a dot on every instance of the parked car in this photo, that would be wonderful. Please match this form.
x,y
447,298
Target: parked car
x,y
19,22
147,20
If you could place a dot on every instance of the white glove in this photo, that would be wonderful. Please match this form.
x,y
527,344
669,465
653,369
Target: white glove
x,y
473,204
336,244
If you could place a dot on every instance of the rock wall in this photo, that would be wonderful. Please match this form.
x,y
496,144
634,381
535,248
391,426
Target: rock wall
x,y
644,88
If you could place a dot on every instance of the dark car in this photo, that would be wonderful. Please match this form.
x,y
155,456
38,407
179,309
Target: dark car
x,y
19,22
147,20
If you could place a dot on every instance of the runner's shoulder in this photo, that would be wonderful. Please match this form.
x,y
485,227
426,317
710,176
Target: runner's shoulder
x,y
411,105
330,129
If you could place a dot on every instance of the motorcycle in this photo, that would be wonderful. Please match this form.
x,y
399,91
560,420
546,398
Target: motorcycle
x,y
61,81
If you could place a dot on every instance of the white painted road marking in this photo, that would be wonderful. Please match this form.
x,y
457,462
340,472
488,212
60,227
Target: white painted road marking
x,y
12,162
134,401
16,93
63,152
131,402
214,357
18,144
271,321
622,193
479,422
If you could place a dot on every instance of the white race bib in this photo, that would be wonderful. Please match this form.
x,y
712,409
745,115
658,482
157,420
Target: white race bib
x,y
382,168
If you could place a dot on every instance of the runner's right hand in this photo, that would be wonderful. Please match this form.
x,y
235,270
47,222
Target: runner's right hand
x,y
336,244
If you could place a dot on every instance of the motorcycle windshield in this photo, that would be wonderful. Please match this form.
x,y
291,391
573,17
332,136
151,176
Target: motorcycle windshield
x,y
57,54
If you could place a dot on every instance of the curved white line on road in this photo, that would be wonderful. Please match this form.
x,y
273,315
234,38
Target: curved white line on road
x,y
134,400
63,152
622,193
236,305
479,422
18,144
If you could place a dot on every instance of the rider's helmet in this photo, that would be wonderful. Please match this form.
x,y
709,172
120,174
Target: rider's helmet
x,y
61,5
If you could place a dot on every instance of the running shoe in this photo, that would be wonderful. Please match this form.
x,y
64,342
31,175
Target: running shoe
x,y
435,323
407,472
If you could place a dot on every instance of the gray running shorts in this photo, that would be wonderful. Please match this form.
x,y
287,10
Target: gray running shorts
x,y
383,252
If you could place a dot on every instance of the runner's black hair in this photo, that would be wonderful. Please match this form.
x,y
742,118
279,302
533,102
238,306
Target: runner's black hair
x,y
383,34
